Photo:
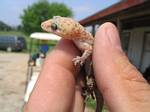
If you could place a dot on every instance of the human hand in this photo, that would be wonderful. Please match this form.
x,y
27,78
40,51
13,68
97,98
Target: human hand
x,y
122,86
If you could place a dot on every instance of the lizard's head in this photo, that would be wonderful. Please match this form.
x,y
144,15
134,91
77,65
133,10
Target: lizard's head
x,y
55,26
61,26
50,26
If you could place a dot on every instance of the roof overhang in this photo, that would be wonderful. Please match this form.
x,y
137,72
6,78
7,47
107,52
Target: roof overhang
x,y
120,6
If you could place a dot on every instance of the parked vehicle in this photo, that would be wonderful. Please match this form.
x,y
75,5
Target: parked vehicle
x,y
23,41
12,43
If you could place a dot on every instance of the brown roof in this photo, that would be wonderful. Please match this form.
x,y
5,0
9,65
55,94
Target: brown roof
x,y
122,5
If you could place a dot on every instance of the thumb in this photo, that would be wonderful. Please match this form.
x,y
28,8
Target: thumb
x,y
123,87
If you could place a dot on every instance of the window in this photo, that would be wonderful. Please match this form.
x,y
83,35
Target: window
x,y
147,42
125,38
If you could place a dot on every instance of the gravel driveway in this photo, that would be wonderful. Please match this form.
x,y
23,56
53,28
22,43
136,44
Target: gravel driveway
x,y
13,67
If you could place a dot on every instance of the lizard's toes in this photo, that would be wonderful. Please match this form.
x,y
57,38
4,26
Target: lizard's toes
x,y
78,60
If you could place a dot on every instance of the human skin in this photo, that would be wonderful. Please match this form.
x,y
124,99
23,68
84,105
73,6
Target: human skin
x,y
122,86
55,87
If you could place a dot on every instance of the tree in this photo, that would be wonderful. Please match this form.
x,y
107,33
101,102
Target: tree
x,y
38,12
4,26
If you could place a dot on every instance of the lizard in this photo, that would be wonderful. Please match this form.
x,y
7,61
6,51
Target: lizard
x,y
68,28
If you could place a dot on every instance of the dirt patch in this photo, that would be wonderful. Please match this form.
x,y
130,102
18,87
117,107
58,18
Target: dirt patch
x,y
13,70
13,67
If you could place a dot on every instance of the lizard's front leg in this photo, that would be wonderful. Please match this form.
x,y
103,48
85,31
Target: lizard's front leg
x,y
86,48
81,60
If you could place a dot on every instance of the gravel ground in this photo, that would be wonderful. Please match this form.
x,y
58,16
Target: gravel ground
x,y
13,67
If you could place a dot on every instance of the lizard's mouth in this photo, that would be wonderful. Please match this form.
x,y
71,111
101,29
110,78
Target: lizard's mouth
x,y
44,26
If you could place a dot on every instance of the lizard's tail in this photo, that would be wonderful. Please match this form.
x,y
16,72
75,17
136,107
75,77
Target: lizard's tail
x,y
99,100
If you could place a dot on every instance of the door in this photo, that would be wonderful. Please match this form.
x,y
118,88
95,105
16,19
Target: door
x,y
146,52
136,46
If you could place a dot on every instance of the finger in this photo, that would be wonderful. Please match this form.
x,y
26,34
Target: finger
x,y
116,77
78,105
55,87
79,101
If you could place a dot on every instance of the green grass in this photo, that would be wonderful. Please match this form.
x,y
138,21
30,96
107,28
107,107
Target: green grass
x,y
10,33
92,104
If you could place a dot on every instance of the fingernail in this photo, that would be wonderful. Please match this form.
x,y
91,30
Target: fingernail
x,y
113,36
108,36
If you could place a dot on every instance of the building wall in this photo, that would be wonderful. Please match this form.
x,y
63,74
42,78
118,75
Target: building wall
x,y
137,46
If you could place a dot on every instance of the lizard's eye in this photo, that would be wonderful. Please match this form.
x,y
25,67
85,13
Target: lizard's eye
x,y
54,26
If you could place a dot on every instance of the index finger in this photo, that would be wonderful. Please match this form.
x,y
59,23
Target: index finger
x,y
56,83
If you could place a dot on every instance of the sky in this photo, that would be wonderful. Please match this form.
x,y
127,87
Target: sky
x,y
10,10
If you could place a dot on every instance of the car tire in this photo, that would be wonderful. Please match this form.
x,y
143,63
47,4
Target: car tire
x,y
9,49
